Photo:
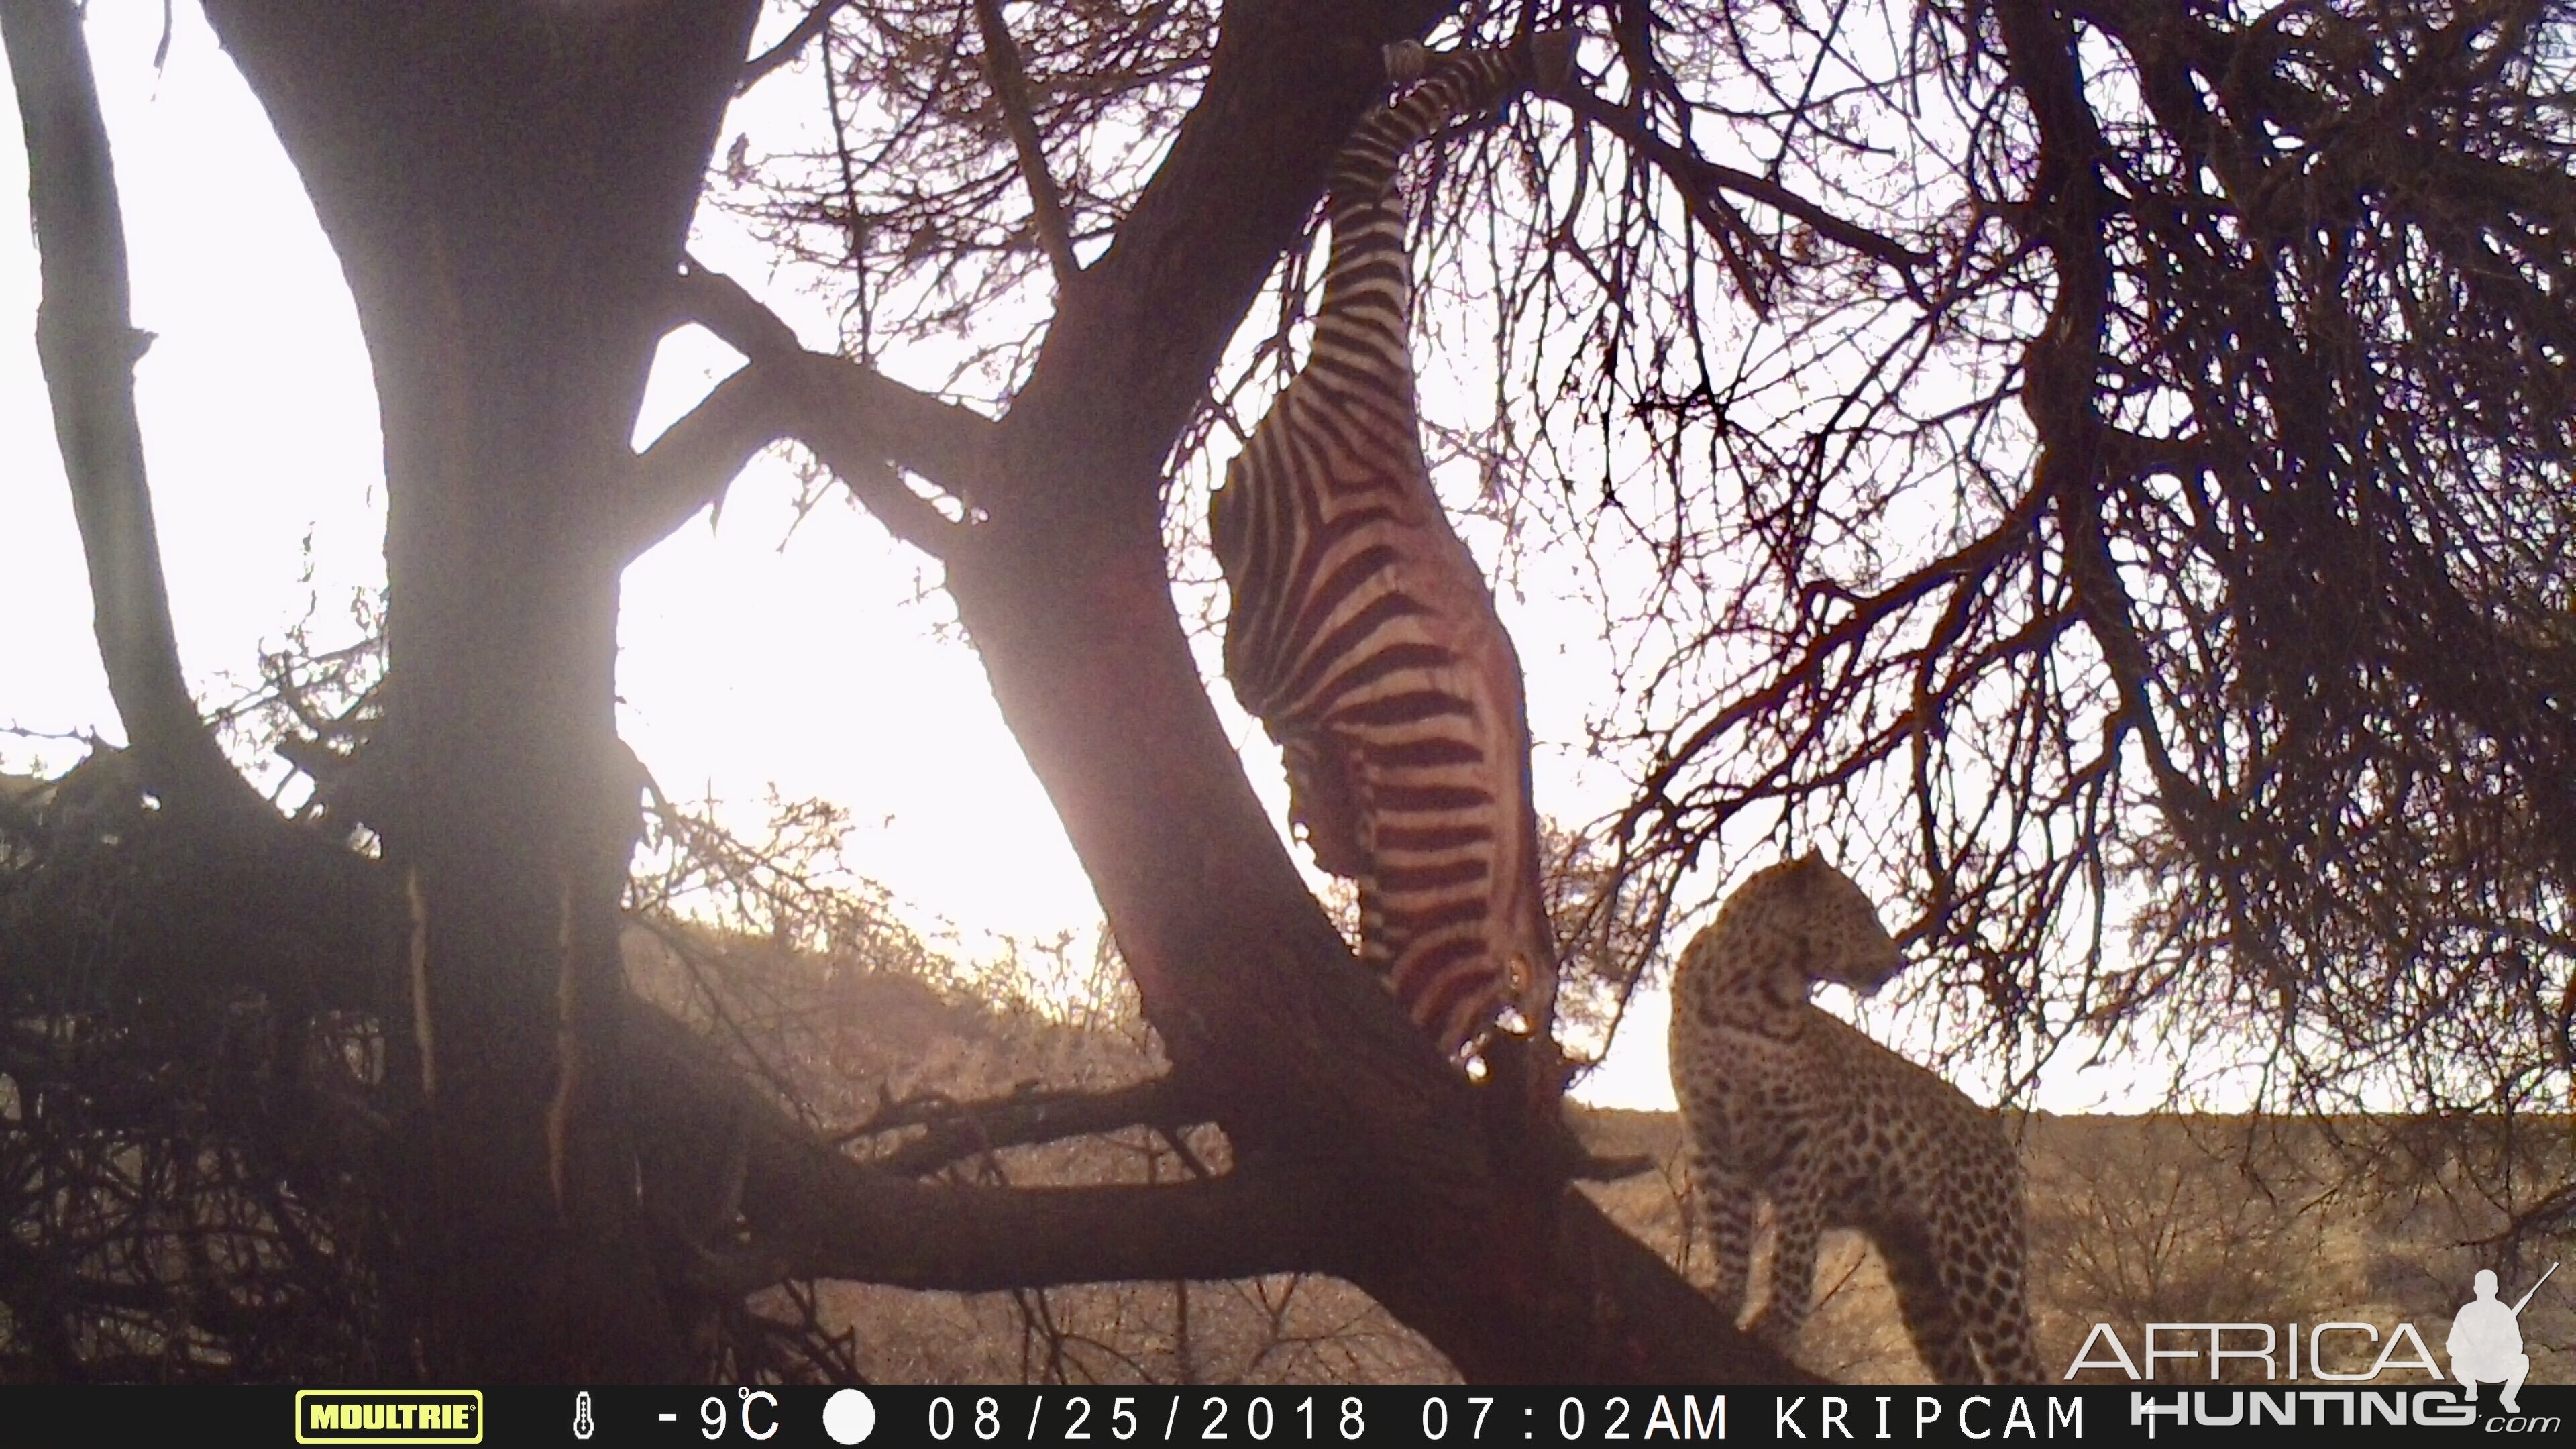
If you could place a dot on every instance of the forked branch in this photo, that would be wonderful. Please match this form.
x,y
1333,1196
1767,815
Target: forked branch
x,y
697,458
861,423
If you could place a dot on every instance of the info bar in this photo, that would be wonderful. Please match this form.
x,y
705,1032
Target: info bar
x,y
1116,1416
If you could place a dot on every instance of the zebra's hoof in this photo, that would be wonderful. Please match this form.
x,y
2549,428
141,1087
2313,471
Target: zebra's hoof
x,y
1406,60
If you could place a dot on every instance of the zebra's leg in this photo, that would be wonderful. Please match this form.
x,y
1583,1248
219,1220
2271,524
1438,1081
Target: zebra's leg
x,y
1798,1211
1722,1204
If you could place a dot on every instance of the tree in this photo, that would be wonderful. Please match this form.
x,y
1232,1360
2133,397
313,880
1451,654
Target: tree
x,y
507,191
2253,615
2208,277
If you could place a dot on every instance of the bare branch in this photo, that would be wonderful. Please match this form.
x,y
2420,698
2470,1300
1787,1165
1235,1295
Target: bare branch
x,y
698,457
87,342
2064,361
1700,180
959,1129
1011,91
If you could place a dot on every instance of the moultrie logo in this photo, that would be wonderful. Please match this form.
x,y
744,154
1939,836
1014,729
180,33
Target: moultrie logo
x,y
388,1416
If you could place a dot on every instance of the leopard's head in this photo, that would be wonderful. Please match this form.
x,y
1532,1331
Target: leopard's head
x,y
1828,925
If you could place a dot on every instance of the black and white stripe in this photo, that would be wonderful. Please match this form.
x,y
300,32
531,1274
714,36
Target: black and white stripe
x,y
1362,634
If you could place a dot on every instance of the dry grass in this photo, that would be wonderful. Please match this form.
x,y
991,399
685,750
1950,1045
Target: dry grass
x,y
2169,1219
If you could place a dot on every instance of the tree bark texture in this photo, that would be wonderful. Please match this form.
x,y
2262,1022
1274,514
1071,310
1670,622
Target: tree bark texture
x,y
508,187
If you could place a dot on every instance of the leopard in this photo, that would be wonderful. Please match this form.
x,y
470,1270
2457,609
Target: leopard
x,y
1782,1101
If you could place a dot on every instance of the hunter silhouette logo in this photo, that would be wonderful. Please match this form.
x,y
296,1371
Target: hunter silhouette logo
x,y
2486,1341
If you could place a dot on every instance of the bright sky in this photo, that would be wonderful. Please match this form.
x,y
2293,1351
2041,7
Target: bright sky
x,y
817,662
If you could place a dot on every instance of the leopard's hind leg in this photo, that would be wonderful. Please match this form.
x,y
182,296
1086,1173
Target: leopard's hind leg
x,y
1931,1314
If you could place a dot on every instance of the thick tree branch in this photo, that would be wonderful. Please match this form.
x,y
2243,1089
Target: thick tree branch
x,y
855,419
960,1129
2062,367
816,1212
828,1217
698,457
88,345
1011,92
790,45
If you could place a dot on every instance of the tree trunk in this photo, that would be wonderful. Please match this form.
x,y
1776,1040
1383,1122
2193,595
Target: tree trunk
x,y
508,188
1472,1238
1311,1068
